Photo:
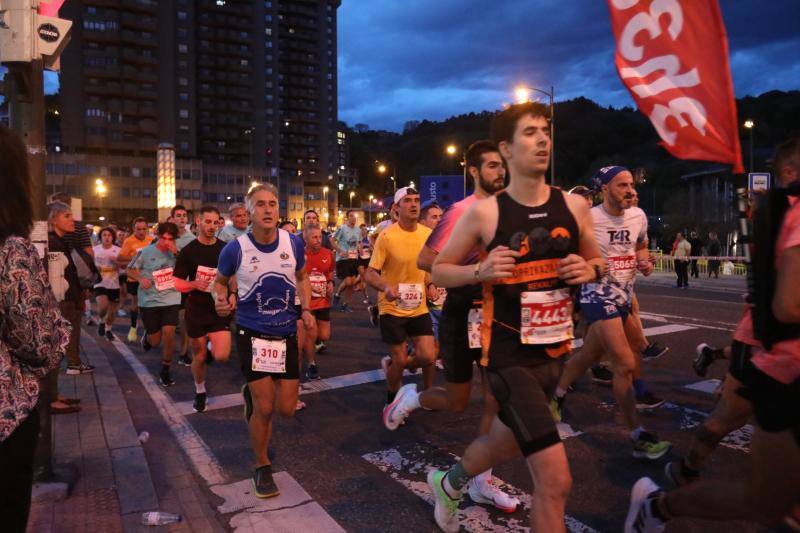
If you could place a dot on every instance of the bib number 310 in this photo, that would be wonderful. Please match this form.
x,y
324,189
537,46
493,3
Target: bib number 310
x,y
269,356
546,317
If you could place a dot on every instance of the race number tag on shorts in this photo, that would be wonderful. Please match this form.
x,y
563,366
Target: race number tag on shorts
x,y
623,268
163,279
410,296
474,321
269,356
206,274
441,296
352,254
546,317
319,284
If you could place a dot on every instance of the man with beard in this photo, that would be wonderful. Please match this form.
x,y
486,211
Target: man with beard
x,y
621,232
459,330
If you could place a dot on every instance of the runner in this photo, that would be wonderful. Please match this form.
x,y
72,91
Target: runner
x,y
770,382
107,291
195,272
269,267
122,234
240,220
180,216
311,218
402,289
320,266
533,234
130,248
621,231
460,341
430,215
364,254
160,302
345,242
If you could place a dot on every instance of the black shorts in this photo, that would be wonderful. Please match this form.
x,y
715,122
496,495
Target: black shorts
x,y
454,347
201,320
123,279
346,268
132,287
322,314
775,404
523,393
396,329
244,345
362,263
111,294
154,318
740,356
184,297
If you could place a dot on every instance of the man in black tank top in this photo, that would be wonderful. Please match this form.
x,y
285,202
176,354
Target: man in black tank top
x,y
539,245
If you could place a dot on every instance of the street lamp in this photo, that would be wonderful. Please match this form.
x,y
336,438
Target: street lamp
x,y
523,94
352,193
382,169
369,206
451,149
101,189
749,124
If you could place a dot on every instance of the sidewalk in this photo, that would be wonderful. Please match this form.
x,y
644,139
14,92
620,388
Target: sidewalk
x,y
729,284
117,481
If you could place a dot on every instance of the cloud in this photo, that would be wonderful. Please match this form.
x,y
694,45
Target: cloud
x,y
420,59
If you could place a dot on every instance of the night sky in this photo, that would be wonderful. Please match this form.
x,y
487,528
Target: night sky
x,y
431,59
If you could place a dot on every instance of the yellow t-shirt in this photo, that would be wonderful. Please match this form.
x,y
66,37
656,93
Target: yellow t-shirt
x,y
395,256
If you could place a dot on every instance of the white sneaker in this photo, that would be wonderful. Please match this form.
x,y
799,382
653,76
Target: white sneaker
x,y
640,517
396,412
482,490
445,509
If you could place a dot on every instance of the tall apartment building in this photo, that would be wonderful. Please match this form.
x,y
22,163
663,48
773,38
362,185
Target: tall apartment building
x,y
244,89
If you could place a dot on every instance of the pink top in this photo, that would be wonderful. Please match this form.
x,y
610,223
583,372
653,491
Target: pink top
x,y
441,234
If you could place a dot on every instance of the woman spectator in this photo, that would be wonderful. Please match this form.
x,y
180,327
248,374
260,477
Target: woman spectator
x,y
33,334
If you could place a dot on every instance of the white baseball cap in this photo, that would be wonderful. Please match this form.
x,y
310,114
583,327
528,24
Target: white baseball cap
x,y
403,192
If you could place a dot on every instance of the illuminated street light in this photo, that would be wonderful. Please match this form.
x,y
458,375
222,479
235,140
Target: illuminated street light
x,y
749,124
523,94
382,169
451,149
352,193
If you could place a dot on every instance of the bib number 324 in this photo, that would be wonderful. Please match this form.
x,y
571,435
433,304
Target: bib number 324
x,y
269,356
546,317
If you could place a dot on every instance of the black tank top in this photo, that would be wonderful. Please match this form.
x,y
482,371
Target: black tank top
x,y
544,235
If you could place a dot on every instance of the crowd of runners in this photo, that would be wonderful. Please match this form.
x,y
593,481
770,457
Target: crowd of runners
x,y
499,285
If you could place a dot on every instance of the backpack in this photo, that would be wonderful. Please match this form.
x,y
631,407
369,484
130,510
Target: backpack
x,y
88,275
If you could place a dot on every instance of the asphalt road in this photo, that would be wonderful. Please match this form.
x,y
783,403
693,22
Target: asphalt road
x,y
369,479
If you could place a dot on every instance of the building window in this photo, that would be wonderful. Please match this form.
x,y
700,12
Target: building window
x,y
184,97
183,82
183,113
183,48
182,15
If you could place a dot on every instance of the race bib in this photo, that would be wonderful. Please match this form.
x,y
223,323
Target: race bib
x,y
107,272
206,274
269,356
410,296
365,253
352,254
163,279
622,268
319,285
441,296
546,317
474,322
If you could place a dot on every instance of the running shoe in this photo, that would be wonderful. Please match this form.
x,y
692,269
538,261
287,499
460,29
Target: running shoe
x,y
439,364
263,483
445,510
653,351
647,446
185,360
121,313
300,405
90,321
602,375
248,403
373,315
396,412
346,308
109,335
199,405
336,300
705,356
145,343
83,368
648,401
132,335
101,329
312,372
166,379
679,475
556,406
640,517
482,490
320,347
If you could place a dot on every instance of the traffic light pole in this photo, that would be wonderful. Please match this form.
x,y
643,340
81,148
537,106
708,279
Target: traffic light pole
x,y
24,84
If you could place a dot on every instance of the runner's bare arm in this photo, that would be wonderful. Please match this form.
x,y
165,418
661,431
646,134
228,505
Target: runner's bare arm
x,y
467,234
426,258
304,290
373,277
224,298
786,303
581,268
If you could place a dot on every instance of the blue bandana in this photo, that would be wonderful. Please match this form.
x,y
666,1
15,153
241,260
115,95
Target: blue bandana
x,y
604,176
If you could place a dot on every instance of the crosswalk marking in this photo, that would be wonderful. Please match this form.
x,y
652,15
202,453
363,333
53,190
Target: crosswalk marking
x,y
708,386
410,467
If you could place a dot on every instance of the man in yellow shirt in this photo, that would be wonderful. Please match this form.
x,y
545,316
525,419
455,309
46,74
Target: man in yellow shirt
x,y
402,290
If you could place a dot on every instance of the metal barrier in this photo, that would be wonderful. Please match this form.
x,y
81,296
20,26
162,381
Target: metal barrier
x,y
666,263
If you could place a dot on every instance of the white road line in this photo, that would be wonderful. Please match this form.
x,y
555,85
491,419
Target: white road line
x,y
661,317
652,331
282,514
708,386
684,298
410,469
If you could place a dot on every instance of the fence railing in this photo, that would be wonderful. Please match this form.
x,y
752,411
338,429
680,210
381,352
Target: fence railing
x,y
728,265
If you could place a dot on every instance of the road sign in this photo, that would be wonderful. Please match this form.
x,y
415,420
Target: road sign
x,y
446,190
758,181
27,35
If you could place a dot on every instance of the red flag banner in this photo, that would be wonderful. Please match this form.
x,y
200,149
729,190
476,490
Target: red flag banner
x,y
672,55
50,9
